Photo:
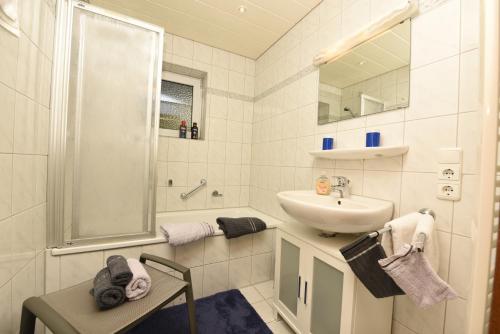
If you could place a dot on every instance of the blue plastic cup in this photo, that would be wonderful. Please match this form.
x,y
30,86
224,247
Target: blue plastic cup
x,y
372,139
327,143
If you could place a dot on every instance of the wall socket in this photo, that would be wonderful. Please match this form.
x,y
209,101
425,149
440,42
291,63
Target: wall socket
x,y
452,172
449,174
449,191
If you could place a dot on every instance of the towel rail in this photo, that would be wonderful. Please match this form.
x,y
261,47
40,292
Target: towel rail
x,y
421,236
203,182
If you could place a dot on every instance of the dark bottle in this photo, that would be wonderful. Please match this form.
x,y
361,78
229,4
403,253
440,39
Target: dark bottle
x,y
182,130
194,131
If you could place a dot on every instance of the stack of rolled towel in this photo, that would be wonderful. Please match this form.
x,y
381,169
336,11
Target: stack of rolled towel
x,y
120,280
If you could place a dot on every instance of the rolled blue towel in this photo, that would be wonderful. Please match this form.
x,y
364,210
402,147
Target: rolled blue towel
x,y
119,270
106,294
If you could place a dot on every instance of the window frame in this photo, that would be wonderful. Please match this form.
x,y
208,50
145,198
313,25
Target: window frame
x,y
196,114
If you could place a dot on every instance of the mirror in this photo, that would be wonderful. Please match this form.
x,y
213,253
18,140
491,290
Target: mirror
x,y
372,77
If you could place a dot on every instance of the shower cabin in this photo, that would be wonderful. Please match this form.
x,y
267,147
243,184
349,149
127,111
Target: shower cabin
x,y
104,126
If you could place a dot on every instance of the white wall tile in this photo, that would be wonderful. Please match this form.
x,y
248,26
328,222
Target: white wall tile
x,y
8,98
240,247
469,81
202,53
436,35
424,145
5,185
77,268
456,317
261,267
9,50
470,24
460,264
190,255
183,47
464,211
430,97
216,249
469,139
215,278
5,308
240,272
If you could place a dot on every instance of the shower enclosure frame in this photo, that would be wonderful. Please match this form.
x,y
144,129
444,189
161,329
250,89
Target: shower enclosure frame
x,y
55,236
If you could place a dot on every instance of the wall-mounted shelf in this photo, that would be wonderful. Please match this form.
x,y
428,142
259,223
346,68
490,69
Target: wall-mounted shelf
x,y
361,153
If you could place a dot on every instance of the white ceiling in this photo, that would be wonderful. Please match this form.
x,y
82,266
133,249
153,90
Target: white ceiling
x,y
386,52
219,23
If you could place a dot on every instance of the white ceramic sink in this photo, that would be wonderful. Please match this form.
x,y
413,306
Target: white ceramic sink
x,y
333,214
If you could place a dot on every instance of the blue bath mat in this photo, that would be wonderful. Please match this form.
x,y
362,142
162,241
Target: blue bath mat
x,y
226,312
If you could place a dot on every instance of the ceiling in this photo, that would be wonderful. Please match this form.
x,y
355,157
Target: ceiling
x,y
219,23
384,53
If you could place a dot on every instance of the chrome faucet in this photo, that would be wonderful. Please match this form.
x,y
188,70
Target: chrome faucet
x,y
341,185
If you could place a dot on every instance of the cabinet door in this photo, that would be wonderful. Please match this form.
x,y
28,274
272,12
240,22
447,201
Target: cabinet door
x,y
330,295
289,279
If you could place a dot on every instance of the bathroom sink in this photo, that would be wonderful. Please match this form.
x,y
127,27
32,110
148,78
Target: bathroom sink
x,y
334,214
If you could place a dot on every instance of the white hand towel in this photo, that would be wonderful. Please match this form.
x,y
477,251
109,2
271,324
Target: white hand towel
x,y
430,246
140,284
182,233
402,230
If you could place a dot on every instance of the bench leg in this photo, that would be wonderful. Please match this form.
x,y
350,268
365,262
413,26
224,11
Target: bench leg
x,y
28,320
190,304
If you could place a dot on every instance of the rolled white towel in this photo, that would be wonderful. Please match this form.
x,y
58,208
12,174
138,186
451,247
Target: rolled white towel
x,y
430,245
140,284
182,233
401,233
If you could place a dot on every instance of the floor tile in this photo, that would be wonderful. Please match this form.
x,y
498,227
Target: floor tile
x,y
265,311
251,294
280,327
266,289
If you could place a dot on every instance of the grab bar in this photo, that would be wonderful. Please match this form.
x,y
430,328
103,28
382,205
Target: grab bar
x,y
189,193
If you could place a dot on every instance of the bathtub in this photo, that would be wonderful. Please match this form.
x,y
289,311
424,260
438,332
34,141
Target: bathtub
x,y
216,263
208,216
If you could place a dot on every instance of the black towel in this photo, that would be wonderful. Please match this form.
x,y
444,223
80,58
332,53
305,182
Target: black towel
x,y
106,294
362,255
118,268
235,227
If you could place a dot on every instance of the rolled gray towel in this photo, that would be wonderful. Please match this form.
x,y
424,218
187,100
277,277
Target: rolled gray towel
x,y
106,294
118,268
235,227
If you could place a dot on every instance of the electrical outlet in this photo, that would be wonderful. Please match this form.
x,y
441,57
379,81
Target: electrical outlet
x,y
450,172
449,191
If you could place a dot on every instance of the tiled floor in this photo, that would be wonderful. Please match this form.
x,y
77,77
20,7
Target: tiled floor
x,y
260,296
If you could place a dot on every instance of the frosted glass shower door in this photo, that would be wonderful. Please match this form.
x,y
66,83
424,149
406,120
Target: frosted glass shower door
x,y
111,126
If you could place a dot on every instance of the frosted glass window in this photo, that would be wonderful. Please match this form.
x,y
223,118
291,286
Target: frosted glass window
x,y
176,105
181,100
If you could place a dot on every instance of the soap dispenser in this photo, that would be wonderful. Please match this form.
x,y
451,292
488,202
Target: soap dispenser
x,y
323,185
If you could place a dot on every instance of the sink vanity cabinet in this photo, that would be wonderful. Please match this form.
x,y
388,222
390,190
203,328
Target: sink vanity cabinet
x,y
317,293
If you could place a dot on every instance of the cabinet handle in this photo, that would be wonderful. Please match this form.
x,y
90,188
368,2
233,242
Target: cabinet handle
x,y
298,290
305,293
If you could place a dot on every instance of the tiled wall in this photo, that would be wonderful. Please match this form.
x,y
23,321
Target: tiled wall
x,y
25,75
443,112
217,264
223,157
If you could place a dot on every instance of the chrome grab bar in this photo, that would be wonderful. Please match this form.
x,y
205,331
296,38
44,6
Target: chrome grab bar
x,y
203,182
